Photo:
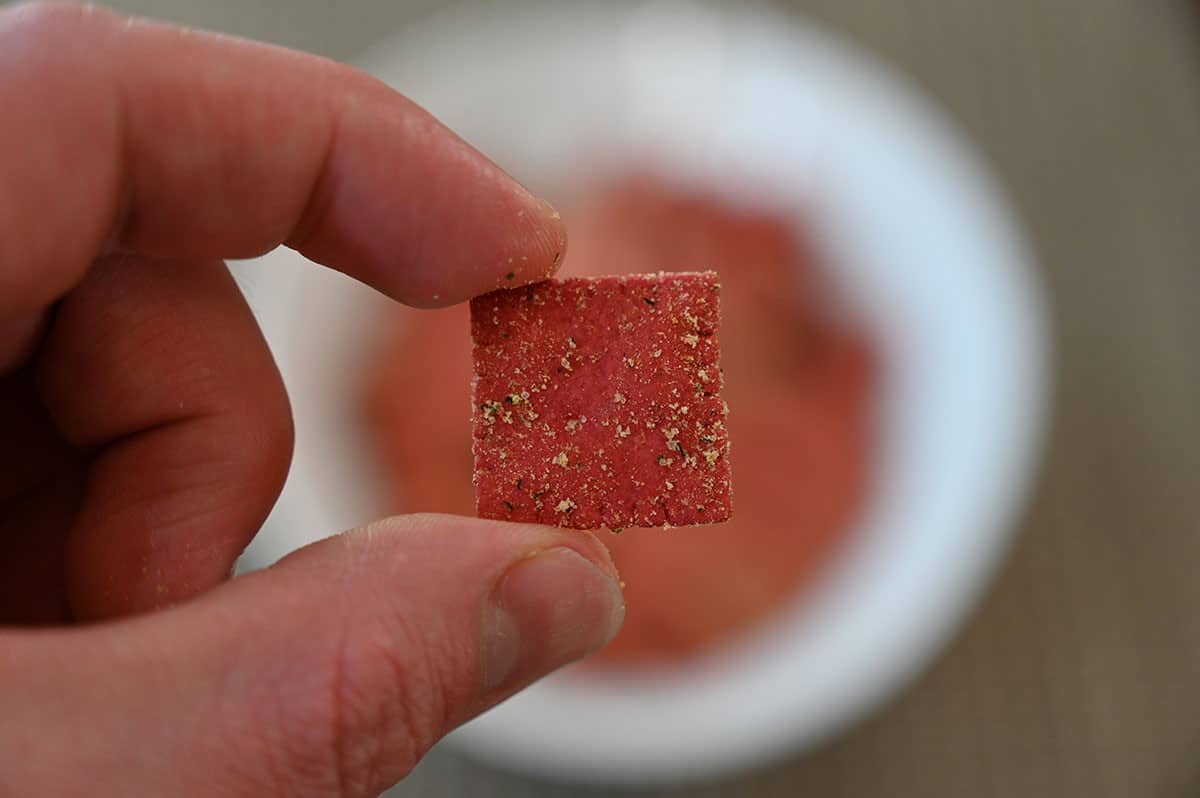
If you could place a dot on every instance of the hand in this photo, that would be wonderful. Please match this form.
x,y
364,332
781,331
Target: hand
x,y
145,432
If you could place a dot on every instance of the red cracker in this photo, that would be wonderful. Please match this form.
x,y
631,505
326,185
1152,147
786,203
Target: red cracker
x,y
596,403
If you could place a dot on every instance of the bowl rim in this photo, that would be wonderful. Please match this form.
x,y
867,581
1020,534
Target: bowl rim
x,y
536,733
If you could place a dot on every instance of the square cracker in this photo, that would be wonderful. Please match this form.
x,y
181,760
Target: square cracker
x,y
596,403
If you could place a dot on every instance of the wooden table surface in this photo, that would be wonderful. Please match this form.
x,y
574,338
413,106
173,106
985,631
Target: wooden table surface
x,y
1080,674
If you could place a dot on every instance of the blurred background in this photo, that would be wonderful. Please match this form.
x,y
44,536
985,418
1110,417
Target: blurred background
x,y
1080,672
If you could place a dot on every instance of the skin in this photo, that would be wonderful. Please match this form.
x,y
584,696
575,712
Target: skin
x,y
147,433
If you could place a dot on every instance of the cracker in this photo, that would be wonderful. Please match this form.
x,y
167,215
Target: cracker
x,y
597,403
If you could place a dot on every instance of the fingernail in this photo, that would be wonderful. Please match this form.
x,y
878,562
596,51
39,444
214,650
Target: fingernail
x,y
545,612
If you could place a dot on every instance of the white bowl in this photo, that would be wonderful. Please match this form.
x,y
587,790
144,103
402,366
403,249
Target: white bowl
x,y
923,249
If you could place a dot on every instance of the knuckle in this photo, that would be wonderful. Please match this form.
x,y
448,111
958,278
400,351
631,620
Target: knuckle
x,y
267,732
279,435
382,709
258,415
373,707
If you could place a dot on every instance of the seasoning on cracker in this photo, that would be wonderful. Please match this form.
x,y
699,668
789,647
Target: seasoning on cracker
x,y
596,403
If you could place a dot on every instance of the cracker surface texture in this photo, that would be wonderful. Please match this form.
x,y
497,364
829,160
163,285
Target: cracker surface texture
x,y
597,403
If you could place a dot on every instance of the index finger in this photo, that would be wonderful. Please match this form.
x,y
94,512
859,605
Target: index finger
x,y
128,135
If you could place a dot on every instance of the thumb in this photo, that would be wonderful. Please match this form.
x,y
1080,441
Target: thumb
x,y
329,674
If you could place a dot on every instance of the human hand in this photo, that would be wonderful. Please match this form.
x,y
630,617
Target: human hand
x,y
146,432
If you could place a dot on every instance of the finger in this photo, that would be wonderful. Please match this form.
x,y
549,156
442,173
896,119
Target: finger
x,y
18,338
329,674
41,479
160,368
135,136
